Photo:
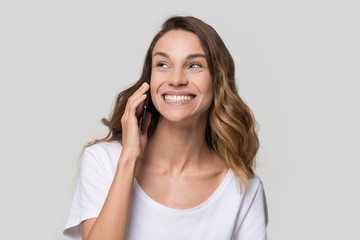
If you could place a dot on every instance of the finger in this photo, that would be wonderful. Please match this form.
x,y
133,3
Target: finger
x,y
135,104
140,91
136,95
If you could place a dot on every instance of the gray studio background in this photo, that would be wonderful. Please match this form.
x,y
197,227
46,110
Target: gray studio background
x,y
62,64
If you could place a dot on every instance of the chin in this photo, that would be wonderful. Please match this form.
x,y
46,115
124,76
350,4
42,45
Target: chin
x,y
176,118
184,114
184,118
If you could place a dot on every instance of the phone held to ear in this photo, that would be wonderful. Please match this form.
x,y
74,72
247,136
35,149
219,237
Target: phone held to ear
x,y
146,106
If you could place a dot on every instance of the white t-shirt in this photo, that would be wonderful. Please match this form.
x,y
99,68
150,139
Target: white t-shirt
x,y
227,214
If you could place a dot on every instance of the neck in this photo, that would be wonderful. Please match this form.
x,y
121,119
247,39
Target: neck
x,y
177,147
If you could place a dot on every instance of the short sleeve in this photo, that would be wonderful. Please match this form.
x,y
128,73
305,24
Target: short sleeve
x,y
255,218
90,194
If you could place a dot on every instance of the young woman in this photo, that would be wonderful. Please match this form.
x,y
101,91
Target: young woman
x,y
189,173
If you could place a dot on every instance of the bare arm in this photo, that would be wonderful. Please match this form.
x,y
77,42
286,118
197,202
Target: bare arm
x,y
113,219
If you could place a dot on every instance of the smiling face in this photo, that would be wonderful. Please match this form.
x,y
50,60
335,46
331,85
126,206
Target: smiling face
x,y
181,85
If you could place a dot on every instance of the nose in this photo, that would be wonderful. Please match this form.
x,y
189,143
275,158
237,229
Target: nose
x,y
178,78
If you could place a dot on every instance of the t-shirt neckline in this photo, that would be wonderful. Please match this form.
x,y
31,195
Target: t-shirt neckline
x,y
202,205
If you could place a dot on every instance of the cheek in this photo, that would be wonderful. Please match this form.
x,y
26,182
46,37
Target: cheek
x,y
155,82
153,90
208,89
152,95
210,97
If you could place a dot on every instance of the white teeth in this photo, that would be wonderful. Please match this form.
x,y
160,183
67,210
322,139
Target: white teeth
x,y
182,98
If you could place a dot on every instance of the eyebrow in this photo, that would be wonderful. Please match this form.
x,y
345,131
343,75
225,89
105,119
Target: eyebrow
x,y
191,56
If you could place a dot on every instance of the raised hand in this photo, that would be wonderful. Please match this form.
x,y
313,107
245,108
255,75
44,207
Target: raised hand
x,y
133,141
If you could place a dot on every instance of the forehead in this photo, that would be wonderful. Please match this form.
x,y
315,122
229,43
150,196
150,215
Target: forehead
x,y
178,42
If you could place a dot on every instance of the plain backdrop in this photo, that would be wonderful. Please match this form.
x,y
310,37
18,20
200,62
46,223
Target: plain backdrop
x,y
62,64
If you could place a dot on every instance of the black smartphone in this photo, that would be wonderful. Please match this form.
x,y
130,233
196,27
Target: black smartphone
x,y
146,105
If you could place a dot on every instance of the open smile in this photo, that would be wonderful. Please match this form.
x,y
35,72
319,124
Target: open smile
x,y
178,98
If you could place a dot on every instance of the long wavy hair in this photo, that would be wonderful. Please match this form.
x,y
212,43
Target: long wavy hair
x,y
231,129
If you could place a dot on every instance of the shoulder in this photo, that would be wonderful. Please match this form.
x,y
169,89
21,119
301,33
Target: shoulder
x,y
254,192
251,201
255,188
103,155
255,196
252,216
108,148
254,184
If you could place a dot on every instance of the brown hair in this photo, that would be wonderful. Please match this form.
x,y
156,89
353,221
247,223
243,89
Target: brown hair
x,y
231,127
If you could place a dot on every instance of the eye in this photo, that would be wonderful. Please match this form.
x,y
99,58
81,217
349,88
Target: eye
x,y
195,65
162,65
